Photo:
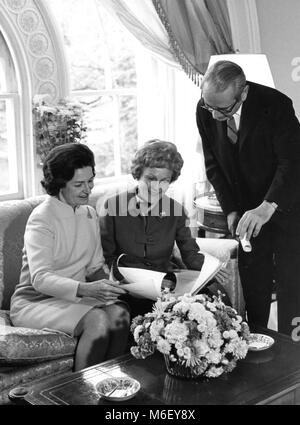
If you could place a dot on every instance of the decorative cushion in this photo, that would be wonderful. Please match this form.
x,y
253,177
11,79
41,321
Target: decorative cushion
x,y
19,346
13,218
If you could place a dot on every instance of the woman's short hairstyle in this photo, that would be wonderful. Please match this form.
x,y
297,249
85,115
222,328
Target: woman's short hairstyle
x,y
60,165
157,154
223,74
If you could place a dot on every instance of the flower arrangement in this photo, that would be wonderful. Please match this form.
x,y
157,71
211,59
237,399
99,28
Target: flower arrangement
x,y
199,335
56,125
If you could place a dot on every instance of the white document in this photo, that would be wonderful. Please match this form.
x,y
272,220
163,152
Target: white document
x,y
147,283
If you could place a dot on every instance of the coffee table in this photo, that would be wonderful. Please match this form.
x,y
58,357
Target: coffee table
x,y
266,377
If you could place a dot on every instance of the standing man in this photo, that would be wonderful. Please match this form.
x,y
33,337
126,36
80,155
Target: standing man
x,y
251,144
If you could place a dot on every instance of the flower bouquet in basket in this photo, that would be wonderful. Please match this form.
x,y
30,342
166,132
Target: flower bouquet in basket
x,y
199,335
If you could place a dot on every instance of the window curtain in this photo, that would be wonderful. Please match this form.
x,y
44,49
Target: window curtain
x,y
197,29
142,21
185,32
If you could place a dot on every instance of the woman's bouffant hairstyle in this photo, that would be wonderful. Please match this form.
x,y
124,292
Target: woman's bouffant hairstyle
x,y
157,154
60,165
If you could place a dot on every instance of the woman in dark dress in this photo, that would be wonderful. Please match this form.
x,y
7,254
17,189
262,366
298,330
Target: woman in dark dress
x,y
144,223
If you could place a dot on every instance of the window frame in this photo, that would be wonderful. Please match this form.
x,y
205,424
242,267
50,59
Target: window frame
x,y
115,94
15,141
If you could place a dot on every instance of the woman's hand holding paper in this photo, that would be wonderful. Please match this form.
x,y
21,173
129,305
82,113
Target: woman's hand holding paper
x,y
103,290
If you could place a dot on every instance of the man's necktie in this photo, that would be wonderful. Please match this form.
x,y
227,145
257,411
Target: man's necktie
x,y
232,132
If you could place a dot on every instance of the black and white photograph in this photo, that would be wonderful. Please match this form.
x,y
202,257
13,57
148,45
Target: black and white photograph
x,y
149,206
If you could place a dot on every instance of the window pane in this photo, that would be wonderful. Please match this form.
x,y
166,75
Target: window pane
x,y
4,182
8,165
128,131
100,134
100,52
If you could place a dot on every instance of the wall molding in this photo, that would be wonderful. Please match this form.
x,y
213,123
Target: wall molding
x,y
32,23
38,52
244,26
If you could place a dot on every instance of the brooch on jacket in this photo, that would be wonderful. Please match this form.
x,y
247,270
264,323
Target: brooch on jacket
x,y
162,214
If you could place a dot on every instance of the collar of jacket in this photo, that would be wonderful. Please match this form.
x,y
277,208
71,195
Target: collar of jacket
x,y
132,206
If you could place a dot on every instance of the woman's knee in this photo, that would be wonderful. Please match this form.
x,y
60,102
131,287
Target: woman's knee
x,y
119,316
96,323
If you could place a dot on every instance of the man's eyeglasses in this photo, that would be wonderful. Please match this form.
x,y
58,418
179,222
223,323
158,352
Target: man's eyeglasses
x,y
224,111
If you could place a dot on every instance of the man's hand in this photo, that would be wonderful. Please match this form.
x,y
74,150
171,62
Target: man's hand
x,y
252,221
232,222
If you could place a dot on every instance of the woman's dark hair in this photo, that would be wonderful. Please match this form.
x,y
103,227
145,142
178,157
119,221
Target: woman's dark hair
x,y
60,165
157,154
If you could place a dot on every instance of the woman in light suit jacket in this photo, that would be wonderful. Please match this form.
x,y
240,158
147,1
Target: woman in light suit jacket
x,y
62,284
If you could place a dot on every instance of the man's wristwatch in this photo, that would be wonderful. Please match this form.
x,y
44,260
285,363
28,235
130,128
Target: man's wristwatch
x,y
274,205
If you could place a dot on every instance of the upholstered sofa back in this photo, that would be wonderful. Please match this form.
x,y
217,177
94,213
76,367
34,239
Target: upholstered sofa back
x,y
13,218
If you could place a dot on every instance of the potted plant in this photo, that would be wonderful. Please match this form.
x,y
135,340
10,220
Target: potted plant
x,y
57,124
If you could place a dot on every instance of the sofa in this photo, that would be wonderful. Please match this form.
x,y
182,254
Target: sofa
x,y
27,354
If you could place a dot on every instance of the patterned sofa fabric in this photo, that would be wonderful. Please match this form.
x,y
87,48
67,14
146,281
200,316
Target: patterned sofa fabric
x,y
13,219
20,346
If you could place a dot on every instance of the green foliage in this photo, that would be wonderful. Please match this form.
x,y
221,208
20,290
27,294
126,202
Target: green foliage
x,y
55,125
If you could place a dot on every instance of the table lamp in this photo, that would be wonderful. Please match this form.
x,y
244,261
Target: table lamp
x,y
255,66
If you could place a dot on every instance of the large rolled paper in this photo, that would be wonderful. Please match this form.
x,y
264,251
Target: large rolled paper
x,y
147,283
246,245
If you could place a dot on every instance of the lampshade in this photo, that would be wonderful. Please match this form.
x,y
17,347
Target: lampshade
x,y
255,66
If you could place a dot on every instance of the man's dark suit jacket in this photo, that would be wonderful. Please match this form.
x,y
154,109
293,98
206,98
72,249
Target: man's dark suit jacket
x,y
148,239
268,155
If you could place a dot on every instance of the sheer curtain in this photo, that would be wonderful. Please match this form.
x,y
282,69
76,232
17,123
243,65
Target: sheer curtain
x,y
141,19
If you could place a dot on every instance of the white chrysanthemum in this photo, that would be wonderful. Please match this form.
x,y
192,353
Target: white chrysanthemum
x,y
229,348
176,331
211,322
232,334
180,352
214,356
137,331
236,325
226,335
155,329
211,306
240,349
202,327
201,348
178,345
181,307
199,297
163,346
198,312
187,353
214,372
214,338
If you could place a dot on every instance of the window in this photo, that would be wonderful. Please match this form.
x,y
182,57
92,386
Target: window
x,y
101,58
10,164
